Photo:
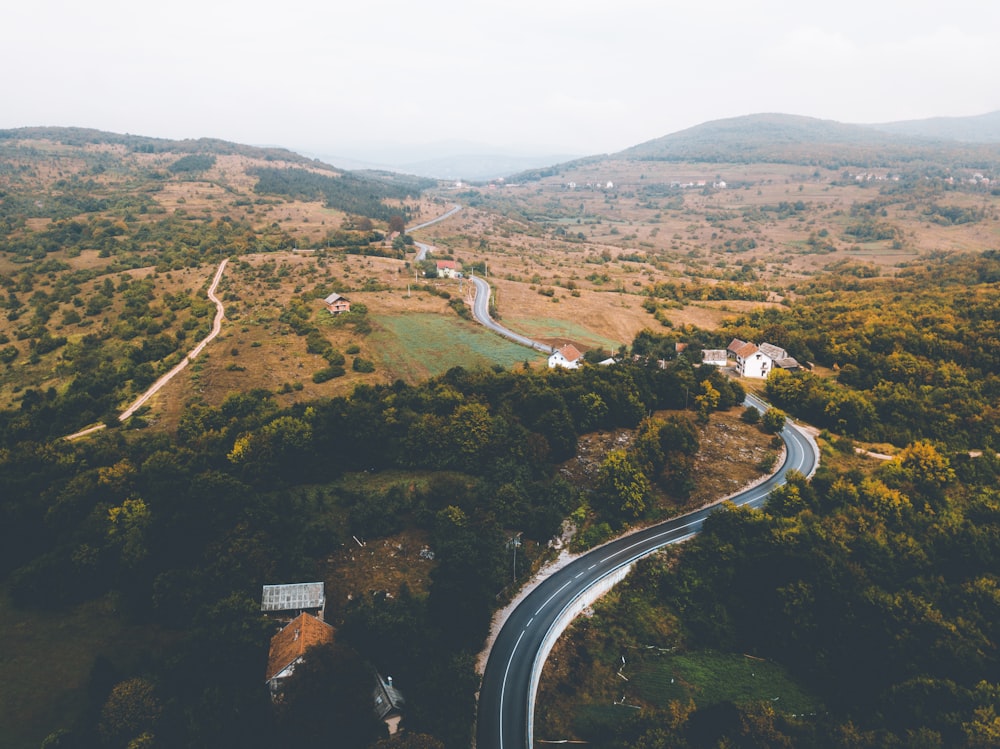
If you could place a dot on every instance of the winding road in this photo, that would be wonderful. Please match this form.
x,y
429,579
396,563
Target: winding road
x,y
481,311
510,680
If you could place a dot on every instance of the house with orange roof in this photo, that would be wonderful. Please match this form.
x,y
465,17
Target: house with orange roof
x,y
448,269
290,646
759,361
567,357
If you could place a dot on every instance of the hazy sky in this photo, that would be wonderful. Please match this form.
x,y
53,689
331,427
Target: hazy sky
x,y
573,76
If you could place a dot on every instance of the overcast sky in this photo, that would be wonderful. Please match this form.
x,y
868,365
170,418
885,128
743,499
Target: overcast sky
x,y
570,76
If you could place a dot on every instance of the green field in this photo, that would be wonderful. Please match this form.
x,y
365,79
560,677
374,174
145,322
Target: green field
x,y
710,677
426,345
551,327
706,677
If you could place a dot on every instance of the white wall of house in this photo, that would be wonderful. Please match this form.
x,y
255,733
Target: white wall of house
x,y
756,365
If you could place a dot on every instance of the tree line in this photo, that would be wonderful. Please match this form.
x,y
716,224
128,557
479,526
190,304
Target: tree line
x,y
184,530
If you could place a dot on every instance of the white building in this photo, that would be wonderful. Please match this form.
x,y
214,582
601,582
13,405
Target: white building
x,y
568,357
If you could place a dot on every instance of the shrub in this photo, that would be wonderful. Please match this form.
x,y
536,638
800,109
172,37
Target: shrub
x,y
328,374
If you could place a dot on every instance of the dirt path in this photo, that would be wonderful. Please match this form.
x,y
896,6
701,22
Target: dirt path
x,y
220,313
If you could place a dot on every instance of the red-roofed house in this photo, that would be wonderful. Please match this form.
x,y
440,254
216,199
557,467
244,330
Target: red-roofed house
x,y
289,648
568,357
447,269
759,361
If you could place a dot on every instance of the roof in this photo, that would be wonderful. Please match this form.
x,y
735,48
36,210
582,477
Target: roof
x,y
774,352
303,632
570,352
387,698
787,363
746,350
333,298
447,264
735,345
293,597
713,354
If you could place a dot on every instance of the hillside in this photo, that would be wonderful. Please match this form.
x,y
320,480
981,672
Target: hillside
x,y
786,138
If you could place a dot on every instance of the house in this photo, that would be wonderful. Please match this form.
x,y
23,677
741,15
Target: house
x,y
290,600
290,646
568,357
389,703
715,357
336,304
749,361
448,269
759,361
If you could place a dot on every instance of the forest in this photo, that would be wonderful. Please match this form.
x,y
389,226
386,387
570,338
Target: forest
x,y
183,531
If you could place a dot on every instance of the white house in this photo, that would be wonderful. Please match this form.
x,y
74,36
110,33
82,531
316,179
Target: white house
x,y
448,269
759,361
568,357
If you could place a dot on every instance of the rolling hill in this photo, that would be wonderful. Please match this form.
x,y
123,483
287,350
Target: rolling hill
x,y
785,138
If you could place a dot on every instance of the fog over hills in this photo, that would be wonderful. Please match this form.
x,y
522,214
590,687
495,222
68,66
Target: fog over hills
x,y
769,137
447,160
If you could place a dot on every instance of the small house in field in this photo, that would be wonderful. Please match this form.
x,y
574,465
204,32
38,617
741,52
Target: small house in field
x,y
568,357
287,601
336,304
290,646
389,703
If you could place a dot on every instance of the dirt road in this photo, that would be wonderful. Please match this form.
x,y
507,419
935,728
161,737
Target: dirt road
x,y
220,313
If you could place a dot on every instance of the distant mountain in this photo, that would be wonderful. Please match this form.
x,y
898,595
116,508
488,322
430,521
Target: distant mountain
x,y
447,160
983,128
785,138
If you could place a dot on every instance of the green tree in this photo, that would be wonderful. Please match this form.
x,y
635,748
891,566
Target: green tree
x,y
707,400
131,712
623,486
773,420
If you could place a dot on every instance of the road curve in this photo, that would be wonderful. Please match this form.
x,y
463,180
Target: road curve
x,y
507,694
481,311
422,248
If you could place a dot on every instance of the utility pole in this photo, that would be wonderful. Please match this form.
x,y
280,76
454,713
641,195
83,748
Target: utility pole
x,y
513,544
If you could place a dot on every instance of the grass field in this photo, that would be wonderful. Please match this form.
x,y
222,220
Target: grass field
x,y
426,345
710,677
706,677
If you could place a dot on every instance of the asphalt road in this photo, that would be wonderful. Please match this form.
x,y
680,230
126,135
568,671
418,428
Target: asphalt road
x,y
507,694
481,311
